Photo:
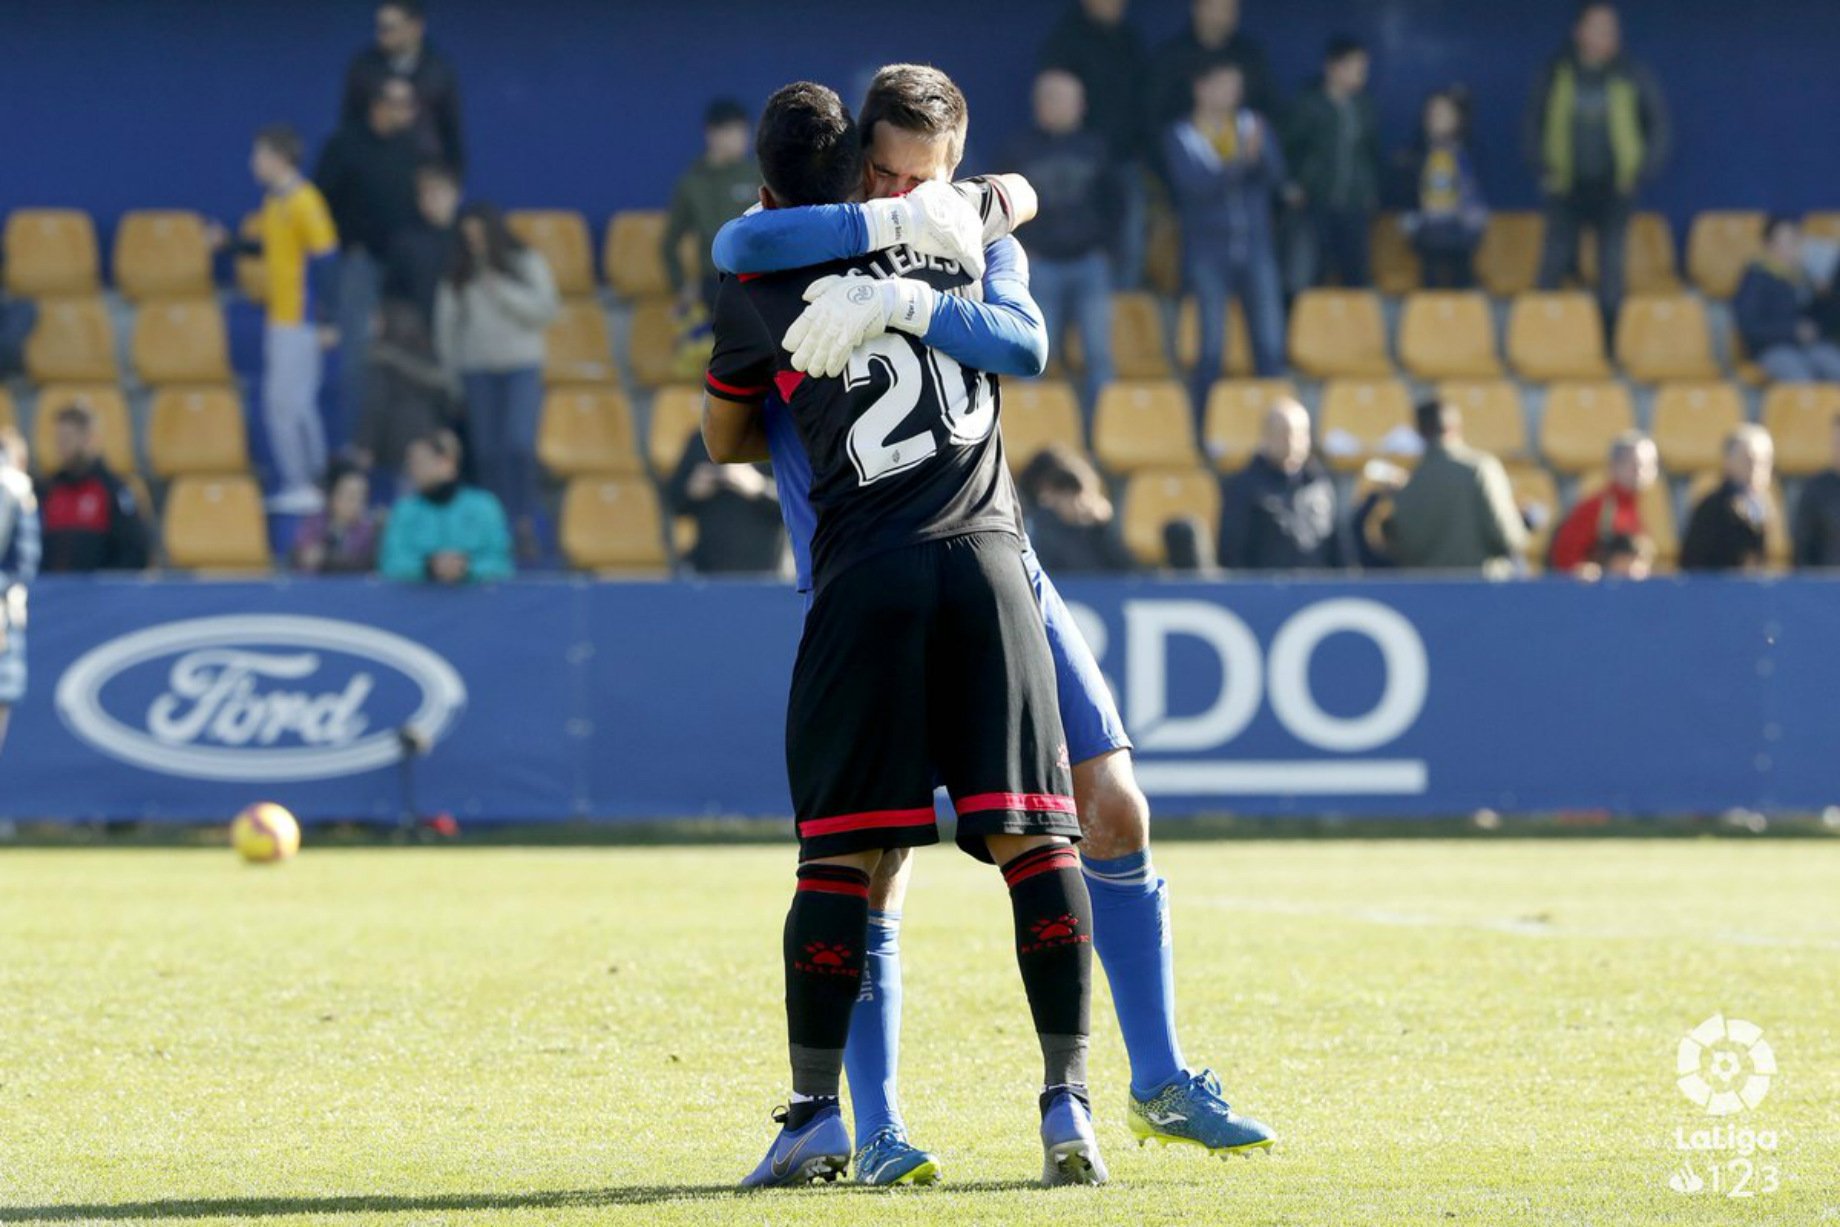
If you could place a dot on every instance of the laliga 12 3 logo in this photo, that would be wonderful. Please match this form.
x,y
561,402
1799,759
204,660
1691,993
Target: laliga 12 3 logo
x,y
259,697
1725,1066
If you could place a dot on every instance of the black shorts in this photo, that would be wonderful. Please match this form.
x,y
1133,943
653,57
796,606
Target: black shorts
x,y
923,663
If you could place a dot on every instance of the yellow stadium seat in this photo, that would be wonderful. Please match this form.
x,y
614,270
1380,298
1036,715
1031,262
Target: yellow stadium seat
x,y
1720,244
180,341
1557,336
1144,425
1656,507
1238,361
1395,263
1691,423
651,346
250,268
73,340
9,416
579,350
1137,339
1154,497
1775,532
1493,419
1649,265
1339,334
1536,493
216,524
1363,419
50,251
586,430
1163,251
677,416
633,256
561,235
1822,225
162,253
1038,413
1235,419
613,524
196,431
1663,337
1446,334
1579,422
1800,418
1508,261
113,425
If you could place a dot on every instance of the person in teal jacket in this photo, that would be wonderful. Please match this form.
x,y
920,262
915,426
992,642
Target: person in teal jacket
x,y
445,532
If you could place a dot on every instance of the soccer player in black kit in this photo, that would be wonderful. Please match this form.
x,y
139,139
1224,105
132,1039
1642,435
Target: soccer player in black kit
x,y
923,655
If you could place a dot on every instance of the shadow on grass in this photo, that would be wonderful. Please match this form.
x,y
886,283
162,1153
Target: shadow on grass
x,y
360,1203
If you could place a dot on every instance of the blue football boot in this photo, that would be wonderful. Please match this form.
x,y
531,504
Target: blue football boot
x,y
1070,1150
888,1158
1190,1111
819,1151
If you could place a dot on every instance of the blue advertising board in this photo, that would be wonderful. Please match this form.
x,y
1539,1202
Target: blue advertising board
x,y
564,698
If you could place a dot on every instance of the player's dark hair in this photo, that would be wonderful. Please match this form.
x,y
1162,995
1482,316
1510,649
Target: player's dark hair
x,y
809,147
723,112
1341,47
282,141
917,98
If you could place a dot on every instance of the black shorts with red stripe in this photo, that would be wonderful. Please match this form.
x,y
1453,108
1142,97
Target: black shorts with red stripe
x,y
928,662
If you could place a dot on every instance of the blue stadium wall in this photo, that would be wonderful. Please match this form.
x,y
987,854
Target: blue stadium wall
x,y
594,104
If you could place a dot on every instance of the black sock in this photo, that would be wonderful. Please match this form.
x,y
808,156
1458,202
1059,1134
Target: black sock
x,y
1054,949
826,930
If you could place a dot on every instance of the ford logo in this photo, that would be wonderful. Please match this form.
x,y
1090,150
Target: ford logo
x,y
259,698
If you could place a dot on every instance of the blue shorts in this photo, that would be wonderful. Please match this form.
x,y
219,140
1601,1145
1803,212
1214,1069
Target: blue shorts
x,y
1088,713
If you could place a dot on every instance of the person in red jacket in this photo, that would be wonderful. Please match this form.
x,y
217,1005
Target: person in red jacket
x,y
1614,511
91,520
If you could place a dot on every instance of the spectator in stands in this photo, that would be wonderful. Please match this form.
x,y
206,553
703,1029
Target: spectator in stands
x,y
1332,144
1596,130
1070,269
1096,43
91,520
1279,512
408,395
1774,310
1070,520
718,187
1456,511
1225,170
736,509
1817,515
422,251
20,545
444,532
489,315
1622,556
1729,530
1449,217
1213,37
342,539
1614,511
367,174
402,52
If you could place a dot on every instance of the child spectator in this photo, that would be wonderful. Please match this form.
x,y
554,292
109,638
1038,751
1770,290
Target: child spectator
x,y
342,539
1774,309
421,252
1446,227
444,532
1729,530
408,394
90,519
1332,143
1615,511
1071,523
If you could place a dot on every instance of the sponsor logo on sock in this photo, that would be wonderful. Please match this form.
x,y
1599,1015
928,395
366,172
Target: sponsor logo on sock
x,y
825,959
1062,930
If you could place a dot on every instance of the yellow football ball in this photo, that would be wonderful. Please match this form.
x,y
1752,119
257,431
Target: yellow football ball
x,y
265,832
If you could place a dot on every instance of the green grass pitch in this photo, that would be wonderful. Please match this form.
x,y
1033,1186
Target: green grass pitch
x,y
1442,1032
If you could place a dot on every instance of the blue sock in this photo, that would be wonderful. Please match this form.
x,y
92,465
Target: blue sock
x,y
873,1054
1131,935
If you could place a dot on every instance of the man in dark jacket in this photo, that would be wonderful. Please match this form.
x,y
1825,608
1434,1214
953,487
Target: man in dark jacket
x,y
1213,37
1597,128
1774,309
420,254
736,510
1817,515
90,519
1729,530
716,188
402,52
1332,143
1071,523
1095,43
1279,512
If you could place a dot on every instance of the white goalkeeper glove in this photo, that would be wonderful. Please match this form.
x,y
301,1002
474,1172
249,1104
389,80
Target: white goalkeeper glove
x,y
935,219
846,311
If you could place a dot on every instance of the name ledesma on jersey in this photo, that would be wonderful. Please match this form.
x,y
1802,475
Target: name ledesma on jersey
x,y
904,262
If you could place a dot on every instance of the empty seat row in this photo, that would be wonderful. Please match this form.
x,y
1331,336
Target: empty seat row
x,y
190,430
174,341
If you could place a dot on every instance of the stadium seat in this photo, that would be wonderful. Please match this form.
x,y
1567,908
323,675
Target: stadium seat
x,y
1775,533
50,251
1692,421
1579,422
1508,261
651,347
1363,419
1235,419
1448,335
162,253
1138,351
250,269
180,341
73,341
1338,334
9,416
1664,337
1154,497
579,350
196,431
1824,225
1238,360
561,235
1395,263
1656,506
1800,418
1493,418
1536,493
1144,425
1719,246
633,258
586,431
1557,335
1649,264
613,524
216,524
113,425
677,416
1036,414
